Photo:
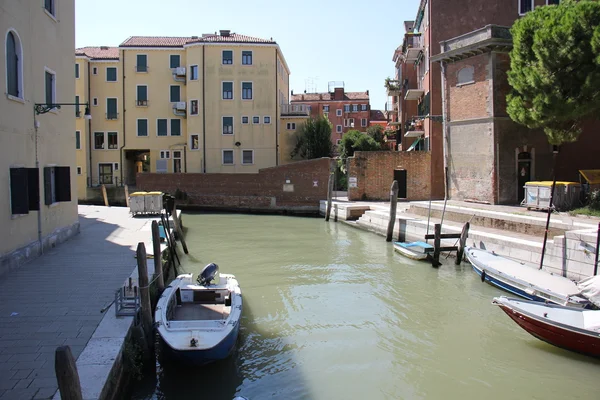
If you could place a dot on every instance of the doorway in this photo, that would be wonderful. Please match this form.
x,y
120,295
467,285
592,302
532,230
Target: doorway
x,y
105,174
523,173
400,177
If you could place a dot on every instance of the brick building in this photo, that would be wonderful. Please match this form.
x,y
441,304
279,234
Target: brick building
x,y
346,110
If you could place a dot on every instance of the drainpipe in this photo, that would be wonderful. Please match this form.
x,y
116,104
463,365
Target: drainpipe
x,y
203,113
89,90
444,128
276,112
124,111
37,166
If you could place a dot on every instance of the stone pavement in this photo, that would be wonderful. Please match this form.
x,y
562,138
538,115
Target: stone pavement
x,y
56,299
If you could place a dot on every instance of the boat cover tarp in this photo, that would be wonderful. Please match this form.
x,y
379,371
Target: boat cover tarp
x,y
590,289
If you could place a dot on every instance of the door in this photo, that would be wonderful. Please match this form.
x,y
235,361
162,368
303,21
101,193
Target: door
x,y
400,177
523,173
105,174
176,161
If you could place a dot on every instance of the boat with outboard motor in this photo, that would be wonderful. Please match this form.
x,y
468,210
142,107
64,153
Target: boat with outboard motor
x,y
199,322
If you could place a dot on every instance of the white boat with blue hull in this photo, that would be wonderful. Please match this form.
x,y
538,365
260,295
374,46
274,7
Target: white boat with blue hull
x,y
199,322
414,250
524,281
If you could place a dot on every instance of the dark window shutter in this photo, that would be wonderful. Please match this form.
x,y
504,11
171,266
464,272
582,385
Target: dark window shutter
x,y
12,63
63,183
142,93
48,185
49,88
33,183
175,94
18,191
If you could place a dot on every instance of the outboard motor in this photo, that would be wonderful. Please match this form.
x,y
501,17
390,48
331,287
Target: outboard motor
x,y
208,274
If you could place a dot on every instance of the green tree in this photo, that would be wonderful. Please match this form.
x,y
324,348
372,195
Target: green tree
x,y
555,68
355,141
376,132
314,139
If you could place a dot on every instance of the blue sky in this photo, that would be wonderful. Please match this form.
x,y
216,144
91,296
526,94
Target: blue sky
x,y
351,41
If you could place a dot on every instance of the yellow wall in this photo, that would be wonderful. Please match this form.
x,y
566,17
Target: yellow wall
x,y
288,138
45,42
82,125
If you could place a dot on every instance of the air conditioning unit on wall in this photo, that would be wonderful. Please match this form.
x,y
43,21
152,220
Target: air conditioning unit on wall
x,y
179,71
180,105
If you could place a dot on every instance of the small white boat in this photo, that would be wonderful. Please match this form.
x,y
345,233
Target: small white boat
x,y
199,321
413,250
522,280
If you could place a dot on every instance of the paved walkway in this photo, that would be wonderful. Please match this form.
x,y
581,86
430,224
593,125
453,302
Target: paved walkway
x,y
56,299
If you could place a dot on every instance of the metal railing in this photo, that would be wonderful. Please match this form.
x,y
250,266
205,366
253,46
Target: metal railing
x,y
112,116
113,180
295,109
141,103
141,68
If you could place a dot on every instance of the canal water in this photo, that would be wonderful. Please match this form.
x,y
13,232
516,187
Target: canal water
x,y
330,312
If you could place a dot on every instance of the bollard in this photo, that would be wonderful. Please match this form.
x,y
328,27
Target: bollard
x,y
144,292
158,271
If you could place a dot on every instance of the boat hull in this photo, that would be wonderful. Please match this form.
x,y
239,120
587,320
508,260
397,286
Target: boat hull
x,y
409,253
501,284
554,334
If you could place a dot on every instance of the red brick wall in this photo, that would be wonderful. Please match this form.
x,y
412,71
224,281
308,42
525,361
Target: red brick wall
x,y
473,99
247,190
374,172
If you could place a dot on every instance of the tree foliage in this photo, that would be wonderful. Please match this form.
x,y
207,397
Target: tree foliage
x,y
376,132
314,139
356,141
555,68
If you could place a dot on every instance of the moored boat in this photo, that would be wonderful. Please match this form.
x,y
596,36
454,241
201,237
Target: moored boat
x,y
413,250
199,322
574,329
524,281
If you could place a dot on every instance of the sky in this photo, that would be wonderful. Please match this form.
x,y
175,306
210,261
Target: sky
x,y
327,40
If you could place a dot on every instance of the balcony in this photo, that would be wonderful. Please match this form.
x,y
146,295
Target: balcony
x,y
391,106
295,109
179,108
414,94
412,47
393,87
415,129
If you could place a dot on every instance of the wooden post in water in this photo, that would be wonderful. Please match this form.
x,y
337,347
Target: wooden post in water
x,y
179,230
437,240
144,291
127,195
104,195
329,190
461,243
158,270
393,205
67,376
597,250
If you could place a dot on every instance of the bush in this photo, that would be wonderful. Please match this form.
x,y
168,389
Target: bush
x,y
594,201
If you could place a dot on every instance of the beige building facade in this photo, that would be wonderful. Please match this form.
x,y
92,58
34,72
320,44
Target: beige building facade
x,y
38,206
199,104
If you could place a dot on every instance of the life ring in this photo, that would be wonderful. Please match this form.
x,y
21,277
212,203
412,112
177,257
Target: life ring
x,y
483,274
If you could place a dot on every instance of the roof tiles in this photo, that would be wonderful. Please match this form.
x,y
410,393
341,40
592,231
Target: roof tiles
x,y
165,41
99,53
329,96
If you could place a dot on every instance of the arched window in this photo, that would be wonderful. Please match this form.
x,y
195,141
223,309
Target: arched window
x,y
14,68
465,75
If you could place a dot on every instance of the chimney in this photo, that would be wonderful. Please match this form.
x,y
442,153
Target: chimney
x,y
367,92
224,33
292,92
194,37
338,93
103,47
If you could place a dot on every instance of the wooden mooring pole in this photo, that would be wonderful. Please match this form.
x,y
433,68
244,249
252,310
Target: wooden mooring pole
x,y
437,236
158,270
462,243
597,251
179,230
144,287
67,376
393,206
330,184
104,195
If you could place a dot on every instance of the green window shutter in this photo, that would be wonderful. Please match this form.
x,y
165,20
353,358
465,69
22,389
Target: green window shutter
x,y
142,63
111,108
175,94
63,183
19,198
77,111
48,185
174,60
161,127
76,70
175,127
33,183
142,93
49,88
111,74
142,127
227,57
77,140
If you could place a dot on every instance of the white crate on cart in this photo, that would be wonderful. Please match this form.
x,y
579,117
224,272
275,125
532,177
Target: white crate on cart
x,y
154,202
137,203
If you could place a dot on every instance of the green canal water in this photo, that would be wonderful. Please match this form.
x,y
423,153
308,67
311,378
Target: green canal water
x,y
330,312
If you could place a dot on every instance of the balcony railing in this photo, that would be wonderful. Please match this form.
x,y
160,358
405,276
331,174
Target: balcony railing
x,y
412,47
141,68
295,109
112,115
141,103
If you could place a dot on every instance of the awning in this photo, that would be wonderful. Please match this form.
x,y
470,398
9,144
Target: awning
x,y
413,133
592,176
415,143
414,94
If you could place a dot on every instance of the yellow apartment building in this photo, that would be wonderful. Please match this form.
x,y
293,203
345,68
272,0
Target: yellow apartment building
x,y
205,104
38,204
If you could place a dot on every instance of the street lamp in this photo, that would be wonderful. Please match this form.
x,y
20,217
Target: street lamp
x,y
43,108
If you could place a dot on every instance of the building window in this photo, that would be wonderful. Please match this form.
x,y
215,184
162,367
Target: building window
x,y
325,109
142,63
14,65
267,120
176,161
247,90
24,190
256,120
338,128
338,112
175,93
142,127
175,127
95,101
142,95
345,122
246,57
227,125
78,170
227,57
363,107
346,108
363,122
95,71
113,140
227,157
76,70
227,90
174,60
193,107
355,107
77,110
194,73
49,7
111,108
338,141
165,154
57,184
98,140
247,157
194,142
161,127
291,126
245,120
465,75
111,74
78,140
50,87
525,6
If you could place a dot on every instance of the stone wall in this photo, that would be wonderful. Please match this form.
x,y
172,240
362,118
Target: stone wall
x,y
374,173
303,183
